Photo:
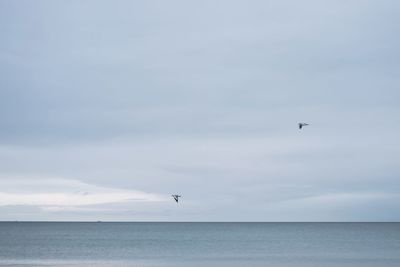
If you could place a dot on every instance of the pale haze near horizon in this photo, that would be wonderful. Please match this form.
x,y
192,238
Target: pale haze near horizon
x,y
109,107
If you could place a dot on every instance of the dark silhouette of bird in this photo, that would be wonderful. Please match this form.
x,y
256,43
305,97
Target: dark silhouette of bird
x,y
176,197
302,124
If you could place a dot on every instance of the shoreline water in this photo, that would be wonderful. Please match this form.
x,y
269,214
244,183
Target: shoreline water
x,y
120,244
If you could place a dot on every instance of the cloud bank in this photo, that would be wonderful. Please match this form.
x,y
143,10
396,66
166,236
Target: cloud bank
x,y
66,194
106,109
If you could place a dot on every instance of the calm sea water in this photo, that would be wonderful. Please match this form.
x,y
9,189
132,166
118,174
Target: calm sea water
x,y
199,244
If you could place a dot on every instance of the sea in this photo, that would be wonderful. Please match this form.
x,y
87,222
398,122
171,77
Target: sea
x,y
120,244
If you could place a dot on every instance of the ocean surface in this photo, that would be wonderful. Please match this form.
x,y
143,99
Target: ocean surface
x,y
199,244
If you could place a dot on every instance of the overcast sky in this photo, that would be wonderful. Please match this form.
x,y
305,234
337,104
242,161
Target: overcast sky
x,y
109,107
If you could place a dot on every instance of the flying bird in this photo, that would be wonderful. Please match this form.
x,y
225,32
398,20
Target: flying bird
x,y
176,197
302,124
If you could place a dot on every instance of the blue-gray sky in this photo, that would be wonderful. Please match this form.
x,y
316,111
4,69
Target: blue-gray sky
x,y
109,107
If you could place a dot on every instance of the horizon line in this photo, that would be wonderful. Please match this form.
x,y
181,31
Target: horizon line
x,y
101,221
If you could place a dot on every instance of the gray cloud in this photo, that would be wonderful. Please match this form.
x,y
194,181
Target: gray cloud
x,y
203,99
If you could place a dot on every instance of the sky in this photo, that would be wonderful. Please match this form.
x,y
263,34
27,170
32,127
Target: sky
x,y
109,107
